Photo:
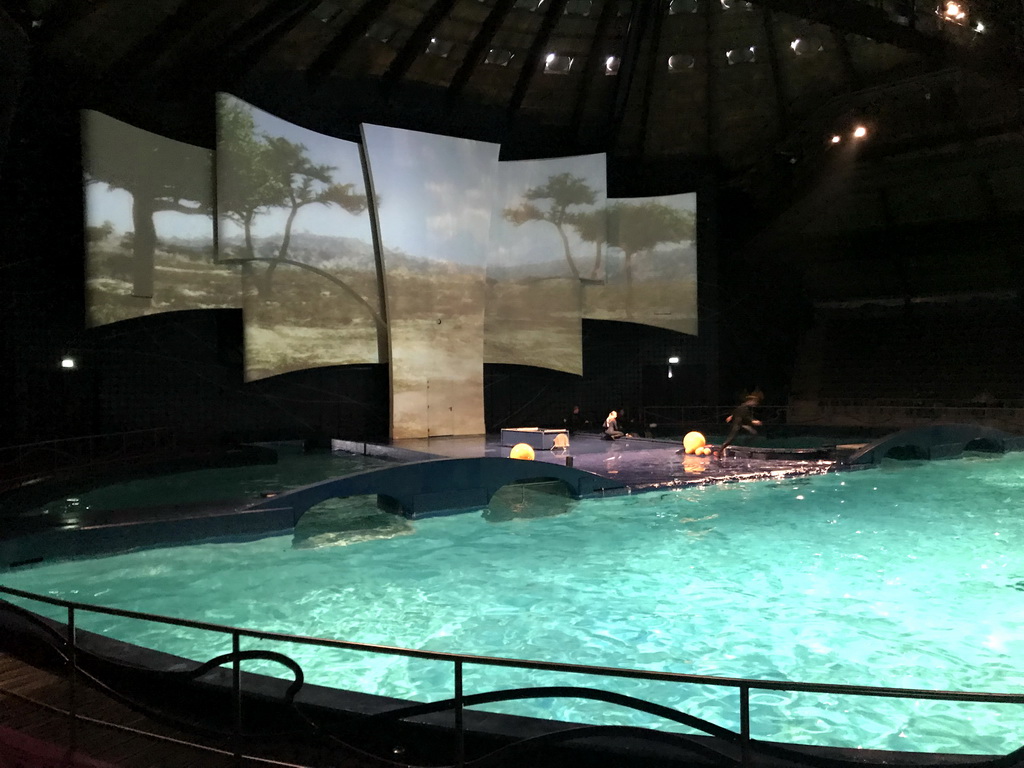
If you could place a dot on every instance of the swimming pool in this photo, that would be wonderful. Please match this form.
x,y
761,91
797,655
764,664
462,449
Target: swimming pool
x,y
910,575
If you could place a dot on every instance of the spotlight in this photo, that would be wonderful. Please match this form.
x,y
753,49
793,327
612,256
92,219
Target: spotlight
x,y
836,138
979,27
952,11
860,132
673,360
67,362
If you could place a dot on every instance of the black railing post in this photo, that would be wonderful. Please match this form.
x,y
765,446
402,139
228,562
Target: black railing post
x,y
460,733
745,725
72,683
236,690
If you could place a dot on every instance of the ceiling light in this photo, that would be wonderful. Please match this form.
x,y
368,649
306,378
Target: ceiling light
x,y
557,64
953,11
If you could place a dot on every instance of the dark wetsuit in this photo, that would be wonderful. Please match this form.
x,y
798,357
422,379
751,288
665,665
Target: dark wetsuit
x,y
742,418
573,422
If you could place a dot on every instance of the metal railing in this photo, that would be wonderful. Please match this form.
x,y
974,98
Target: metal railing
x,y
706,415
29,461
742,741
839,412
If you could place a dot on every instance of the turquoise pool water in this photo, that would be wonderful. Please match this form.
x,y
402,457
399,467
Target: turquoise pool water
x,y
910,575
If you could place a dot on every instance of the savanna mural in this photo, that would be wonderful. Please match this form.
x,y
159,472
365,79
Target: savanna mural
x,y
149,225
536,266
434,198
475,260
293,212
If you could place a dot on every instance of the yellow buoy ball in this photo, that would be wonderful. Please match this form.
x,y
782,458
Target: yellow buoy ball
x,y
693,441
705,451
521,451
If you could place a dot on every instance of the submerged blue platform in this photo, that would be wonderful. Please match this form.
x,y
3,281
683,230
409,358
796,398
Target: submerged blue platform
x,y
438,476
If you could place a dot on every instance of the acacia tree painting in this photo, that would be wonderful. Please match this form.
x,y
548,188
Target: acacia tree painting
x,y
304,183
592,227
269,172
158,173
251,188
561,192
326,308
643,227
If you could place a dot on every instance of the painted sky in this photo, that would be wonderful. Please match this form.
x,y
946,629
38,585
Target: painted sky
x,y
435,193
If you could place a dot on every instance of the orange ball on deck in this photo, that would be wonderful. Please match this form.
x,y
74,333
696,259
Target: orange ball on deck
x,y
692,441
521,451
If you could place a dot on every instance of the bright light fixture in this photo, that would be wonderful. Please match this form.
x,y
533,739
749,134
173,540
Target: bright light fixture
x,y
979,27
953,11
860,132
550,58
836,138
67,362
673,360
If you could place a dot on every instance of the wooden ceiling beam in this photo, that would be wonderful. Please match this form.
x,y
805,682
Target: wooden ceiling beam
x,y
357,26
416,45
477,50
595,66
639,21
534,57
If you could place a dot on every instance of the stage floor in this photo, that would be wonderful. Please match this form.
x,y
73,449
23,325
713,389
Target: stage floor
x,y
641,464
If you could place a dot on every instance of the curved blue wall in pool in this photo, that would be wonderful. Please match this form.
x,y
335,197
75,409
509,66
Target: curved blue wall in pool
x,y
937,441
440,486
416,490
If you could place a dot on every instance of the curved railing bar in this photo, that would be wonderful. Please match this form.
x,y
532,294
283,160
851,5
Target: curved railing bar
x,y
254,655
187,725
549,666
148,711
564,692
875,691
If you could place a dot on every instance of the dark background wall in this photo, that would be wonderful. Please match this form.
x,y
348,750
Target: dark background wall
x,y
183,371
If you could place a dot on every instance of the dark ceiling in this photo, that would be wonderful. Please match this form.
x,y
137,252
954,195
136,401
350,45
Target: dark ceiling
x,y
751,92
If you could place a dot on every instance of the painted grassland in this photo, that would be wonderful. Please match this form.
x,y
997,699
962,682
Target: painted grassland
x,y
303,319
534,322
436,351
185,277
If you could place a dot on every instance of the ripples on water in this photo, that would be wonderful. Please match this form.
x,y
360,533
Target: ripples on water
x,y
906,576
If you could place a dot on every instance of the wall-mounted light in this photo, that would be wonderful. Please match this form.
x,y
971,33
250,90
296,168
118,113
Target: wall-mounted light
x,y
953,11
